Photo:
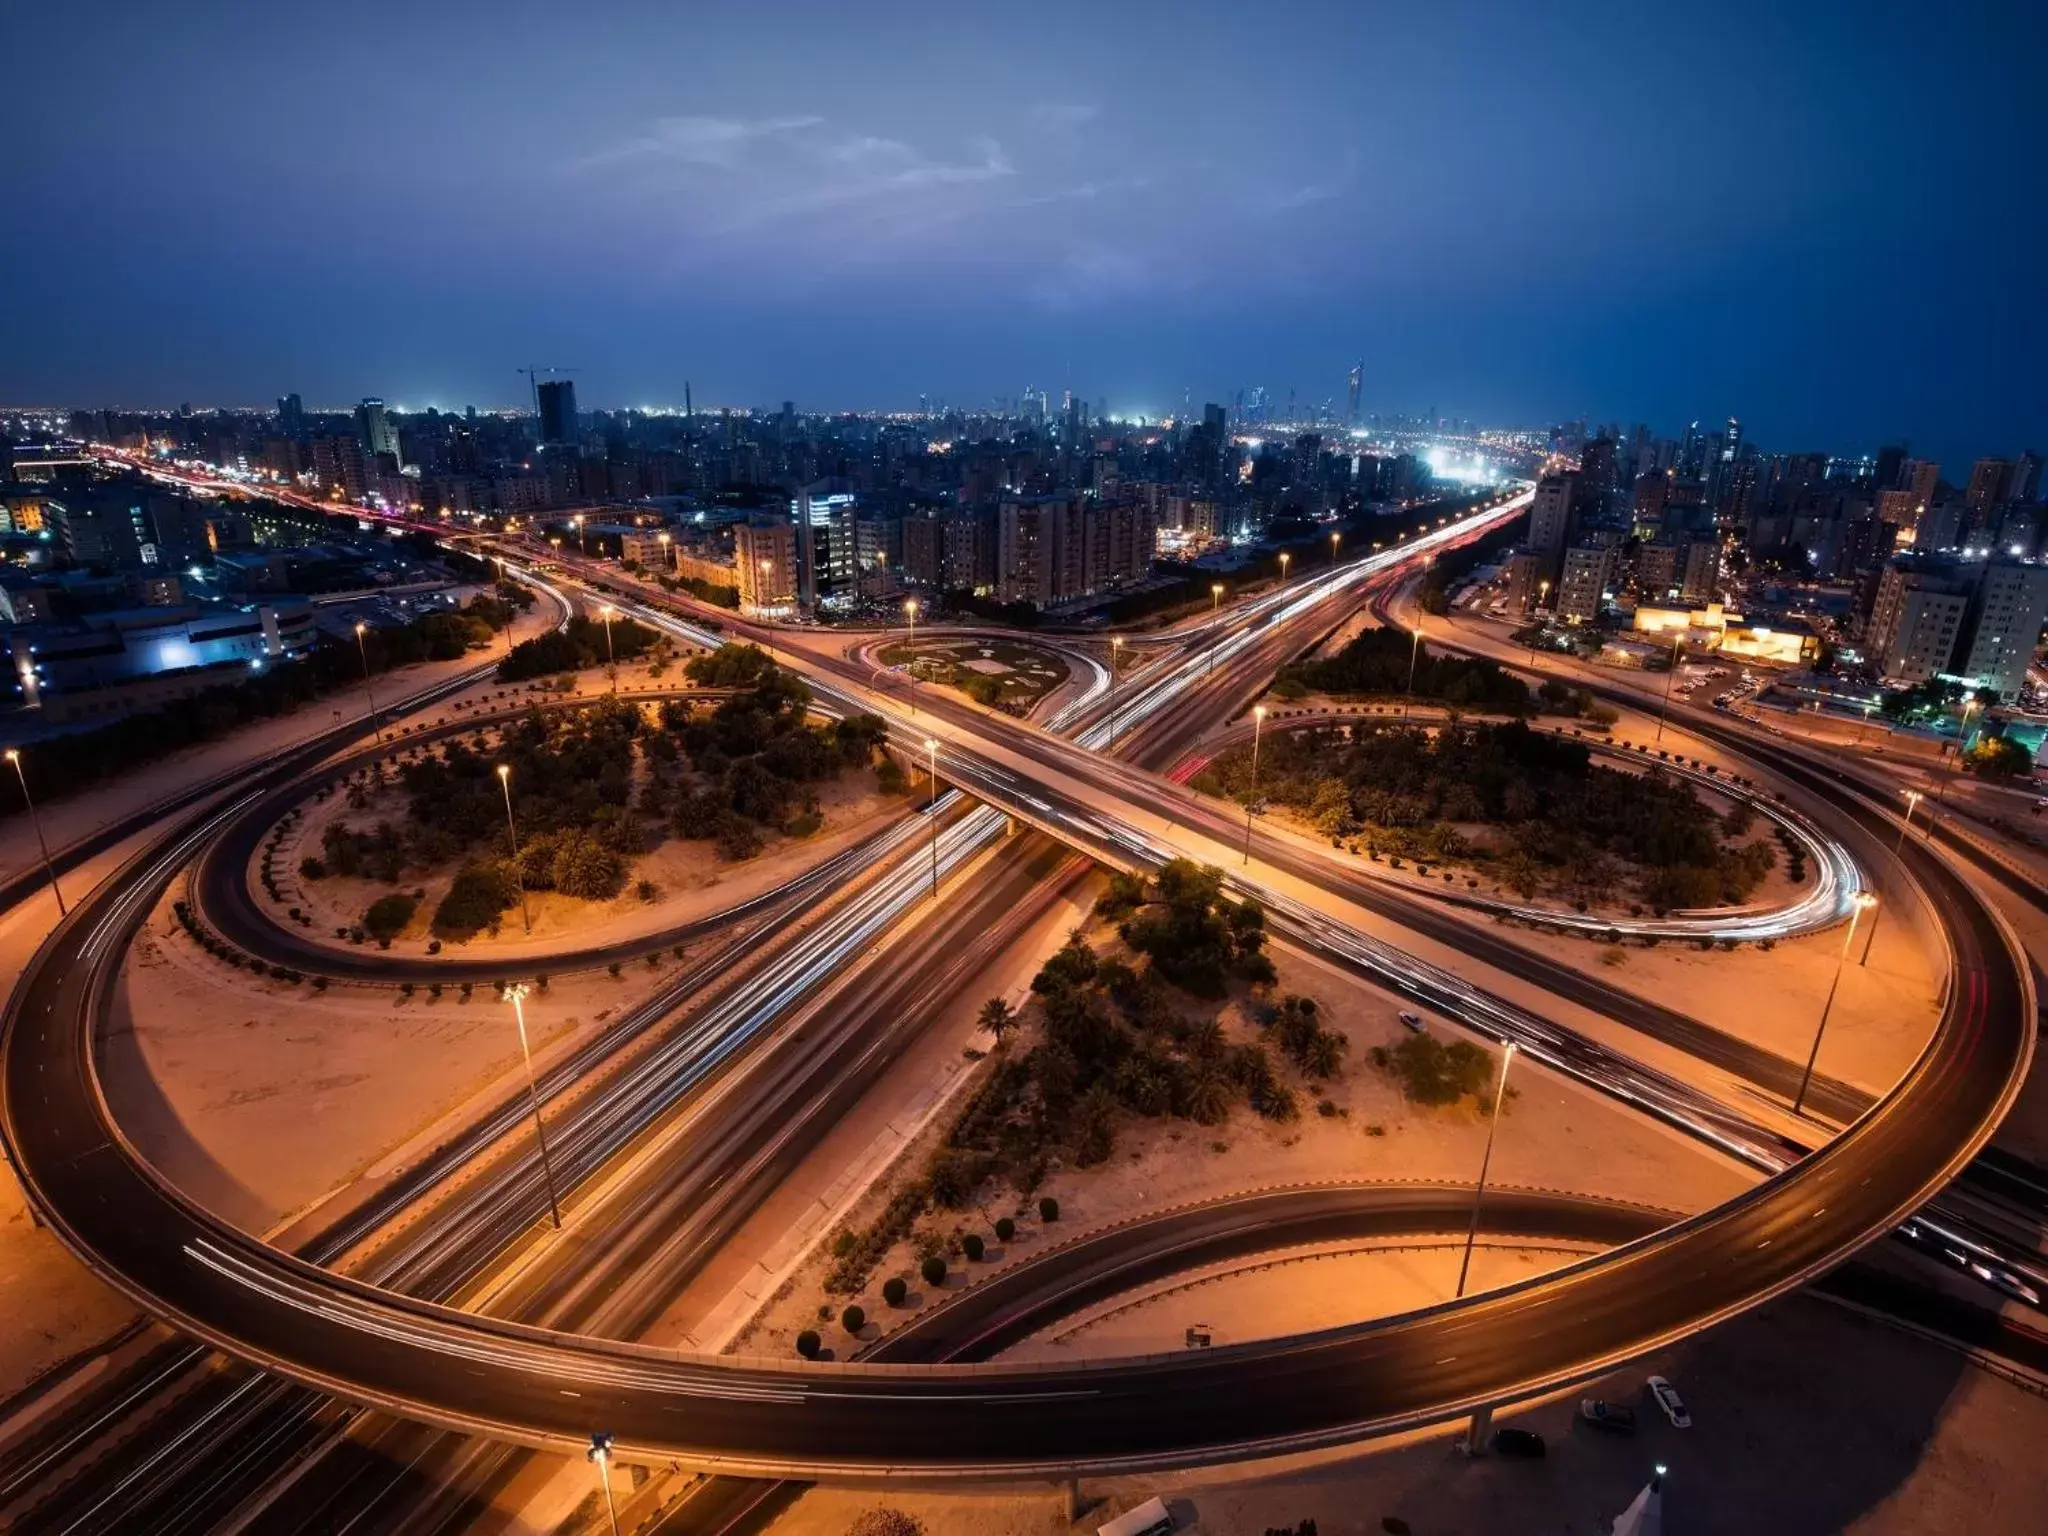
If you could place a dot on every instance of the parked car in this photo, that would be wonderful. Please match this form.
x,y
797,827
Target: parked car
x,y
1413,1021
1616,1418
1667,1398
1519,1444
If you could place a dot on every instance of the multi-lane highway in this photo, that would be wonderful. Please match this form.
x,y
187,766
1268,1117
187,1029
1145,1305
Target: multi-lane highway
x,y
474,1374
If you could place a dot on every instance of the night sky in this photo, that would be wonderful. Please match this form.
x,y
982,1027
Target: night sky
x,y
1826,219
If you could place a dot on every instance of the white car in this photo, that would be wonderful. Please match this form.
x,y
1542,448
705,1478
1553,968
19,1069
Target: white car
x,y
1668,1399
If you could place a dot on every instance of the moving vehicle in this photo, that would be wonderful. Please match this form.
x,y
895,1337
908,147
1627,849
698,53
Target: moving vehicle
x,y
1151,1518
1519,1444
1413,1021
1667,1398
1615,1418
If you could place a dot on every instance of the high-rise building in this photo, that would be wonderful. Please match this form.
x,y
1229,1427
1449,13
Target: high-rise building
x,y
1891,458
1920,478
1351,392
373,427
1917,619
2026,478
1989,482
765,561
338,465
2005,625
1550,514
555,400
291,417
1589,571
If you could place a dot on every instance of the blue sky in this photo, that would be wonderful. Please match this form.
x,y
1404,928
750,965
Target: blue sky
x,y
1824,218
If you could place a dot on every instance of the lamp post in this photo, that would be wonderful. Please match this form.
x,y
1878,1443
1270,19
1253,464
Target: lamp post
x,y
1500,1093
600,1454
1116,703
1284,558
611,659
667,554
363,651
1414,655
582,542
1251,797
1215,618
516,996
512,832
1335,540
14,757
931,745
1912,803
1671,677
1864,902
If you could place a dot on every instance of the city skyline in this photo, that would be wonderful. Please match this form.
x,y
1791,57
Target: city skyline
x,y
1508,219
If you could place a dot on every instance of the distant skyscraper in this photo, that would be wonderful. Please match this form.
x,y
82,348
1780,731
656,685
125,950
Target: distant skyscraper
x,y
1989,481
2026,477
1890,460
373,426
1351,393
1919,477
291,417
557,401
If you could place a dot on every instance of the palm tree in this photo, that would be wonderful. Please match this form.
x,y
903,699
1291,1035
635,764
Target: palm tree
x,y
998,1018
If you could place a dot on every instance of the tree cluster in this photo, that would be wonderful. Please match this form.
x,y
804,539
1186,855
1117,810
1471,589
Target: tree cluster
x,y
1378,661
581,644
1570,824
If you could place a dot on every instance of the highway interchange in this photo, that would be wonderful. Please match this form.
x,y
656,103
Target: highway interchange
x,y
469,1373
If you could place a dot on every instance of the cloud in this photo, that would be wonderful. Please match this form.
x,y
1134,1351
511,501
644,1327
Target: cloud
x,y
708,141
1062,116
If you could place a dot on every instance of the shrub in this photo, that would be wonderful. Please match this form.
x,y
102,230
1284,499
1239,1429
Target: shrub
x,y
973,1247
388,916
479,895
1048,1209
853,1319
934,1270
1005,1229
808,1343
312,869
894,1291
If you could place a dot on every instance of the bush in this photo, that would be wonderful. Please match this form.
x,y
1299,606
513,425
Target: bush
x,y
1048,1209
312,869
479,895
853,1319
808,1343
388,915
973,1247
934,1270
1005,1229
894,1291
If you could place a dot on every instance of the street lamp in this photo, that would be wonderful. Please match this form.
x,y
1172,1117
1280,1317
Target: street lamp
x,y
1335,539
516,996
1414,655
512,832
1500,1093
582,543
600,1454
1864,902
611,659
362,650
1284,558
14,757
1912,803
1215,614
667,554
1116,651
931,745
1251,797
1677,639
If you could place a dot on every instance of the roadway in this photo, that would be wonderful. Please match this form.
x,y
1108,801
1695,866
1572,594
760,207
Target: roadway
x,y
478,1375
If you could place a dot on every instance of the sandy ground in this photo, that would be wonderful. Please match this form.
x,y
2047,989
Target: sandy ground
x,y
55,1307
692,880
259,1098
1554,1135
1298,1290
1870,1432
